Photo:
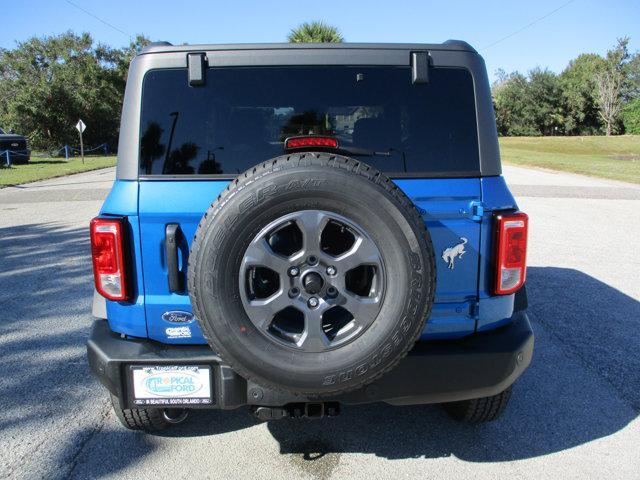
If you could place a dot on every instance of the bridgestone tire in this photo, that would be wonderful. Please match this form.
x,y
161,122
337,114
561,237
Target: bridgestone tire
x,y
319,182
479,410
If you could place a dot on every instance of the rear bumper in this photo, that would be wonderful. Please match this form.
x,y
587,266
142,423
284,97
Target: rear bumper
x,y
436,371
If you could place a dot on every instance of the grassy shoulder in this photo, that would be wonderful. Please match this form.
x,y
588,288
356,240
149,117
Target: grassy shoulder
x,y
43,168
616,157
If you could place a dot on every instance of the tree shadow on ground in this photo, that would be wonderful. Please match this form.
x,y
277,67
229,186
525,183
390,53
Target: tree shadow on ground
x,y
45,299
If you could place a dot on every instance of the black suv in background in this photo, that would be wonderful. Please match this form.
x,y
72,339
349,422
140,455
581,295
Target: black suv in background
x,y
16,145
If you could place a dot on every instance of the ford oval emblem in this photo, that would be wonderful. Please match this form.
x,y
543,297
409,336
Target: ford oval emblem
x,y
177,316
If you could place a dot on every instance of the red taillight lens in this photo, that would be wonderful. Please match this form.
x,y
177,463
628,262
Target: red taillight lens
x,y
107,250
511,258
302,142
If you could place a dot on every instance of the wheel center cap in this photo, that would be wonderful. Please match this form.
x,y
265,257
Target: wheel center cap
x,y
312,282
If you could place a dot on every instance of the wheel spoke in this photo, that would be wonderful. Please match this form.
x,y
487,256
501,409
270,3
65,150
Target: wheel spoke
x,y
312,223
314,339
259,254
262,311
363,252
364,309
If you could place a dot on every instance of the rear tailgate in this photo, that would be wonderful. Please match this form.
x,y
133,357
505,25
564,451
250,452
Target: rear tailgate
x,y
447,206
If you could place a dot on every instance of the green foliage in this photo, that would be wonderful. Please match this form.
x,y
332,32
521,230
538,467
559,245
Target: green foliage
x,y
47,84
315,32
530,105
631,88
631,117
585,99
580,95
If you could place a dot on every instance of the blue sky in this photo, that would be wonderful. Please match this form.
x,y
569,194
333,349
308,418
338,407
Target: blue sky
x,y
581,26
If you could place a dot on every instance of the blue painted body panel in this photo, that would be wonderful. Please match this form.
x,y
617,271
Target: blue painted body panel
x,y
493,311
446,206
188,202
128,318
462,305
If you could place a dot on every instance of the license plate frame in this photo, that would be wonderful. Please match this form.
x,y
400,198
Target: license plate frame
x,y
189,386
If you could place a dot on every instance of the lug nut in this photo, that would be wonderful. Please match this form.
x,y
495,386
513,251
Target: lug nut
x,y
332,292
312,260
294,271
294,292
331,270
313,302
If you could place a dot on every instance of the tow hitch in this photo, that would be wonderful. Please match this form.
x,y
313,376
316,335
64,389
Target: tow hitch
x,y
297,410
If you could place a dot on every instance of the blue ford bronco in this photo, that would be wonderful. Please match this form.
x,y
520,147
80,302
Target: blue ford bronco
x,y
297,227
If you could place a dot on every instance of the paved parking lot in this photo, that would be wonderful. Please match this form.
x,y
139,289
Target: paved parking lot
x,y
574,413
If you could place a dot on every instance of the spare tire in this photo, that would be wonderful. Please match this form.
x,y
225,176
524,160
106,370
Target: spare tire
x,y
312,274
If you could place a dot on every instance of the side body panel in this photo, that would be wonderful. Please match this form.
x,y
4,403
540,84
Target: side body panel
x,y
128,318
493,311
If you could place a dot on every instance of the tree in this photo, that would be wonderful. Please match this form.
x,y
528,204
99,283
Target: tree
x,y
528,105
47,84
631,117
631,86
610,82
315,32
509,97
545,101
580,98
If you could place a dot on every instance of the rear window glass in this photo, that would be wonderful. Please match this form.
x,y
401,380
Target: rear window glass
x,y
242,115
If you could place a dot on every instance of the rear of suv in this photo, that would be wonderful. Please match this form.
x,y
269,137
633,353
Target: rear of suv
x,y
297,227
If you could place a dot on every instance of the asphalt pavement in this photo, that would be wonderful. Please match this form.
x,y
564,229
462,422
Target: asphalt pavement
x,y
574,413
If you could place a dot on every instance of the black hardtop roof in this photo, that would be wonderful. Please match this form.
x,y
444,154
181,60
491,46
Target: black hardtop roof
x,y
449,45
163,55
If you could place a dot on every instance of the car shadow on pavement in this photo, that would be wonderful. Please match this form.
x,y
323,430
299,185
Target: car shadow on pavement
x,y
583,384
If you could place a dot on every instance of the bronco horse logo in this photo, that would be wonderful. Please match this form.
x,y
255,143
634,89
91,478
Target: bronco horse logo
x,y
450,254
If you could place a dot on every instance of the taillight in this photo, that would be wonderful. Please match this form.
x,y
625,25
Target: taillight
x,y
292,143
511,254
107,250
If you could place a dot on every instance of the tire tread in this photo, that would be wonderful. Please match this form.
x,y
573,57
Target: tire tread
x,y
479,410
147,419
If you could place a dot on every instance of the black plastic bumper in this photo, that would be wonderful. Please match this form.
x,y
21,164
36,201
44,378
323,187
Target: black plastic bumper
x,y
434,371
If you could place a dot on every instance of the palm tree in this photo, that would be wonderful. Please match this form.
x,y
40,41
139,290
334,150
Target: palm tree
x,y
315,32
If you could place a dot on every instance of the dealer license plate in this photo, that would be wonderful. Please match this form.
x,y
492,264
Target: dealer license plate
x,y
170,384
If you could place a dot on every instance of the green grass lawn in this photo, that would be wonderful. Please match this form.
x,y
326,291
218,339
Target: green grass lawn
x,y
616,157
40,168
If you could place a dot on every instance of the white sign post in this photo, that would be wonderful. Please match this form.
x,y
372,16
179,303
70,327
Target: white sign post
x,y
80,126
